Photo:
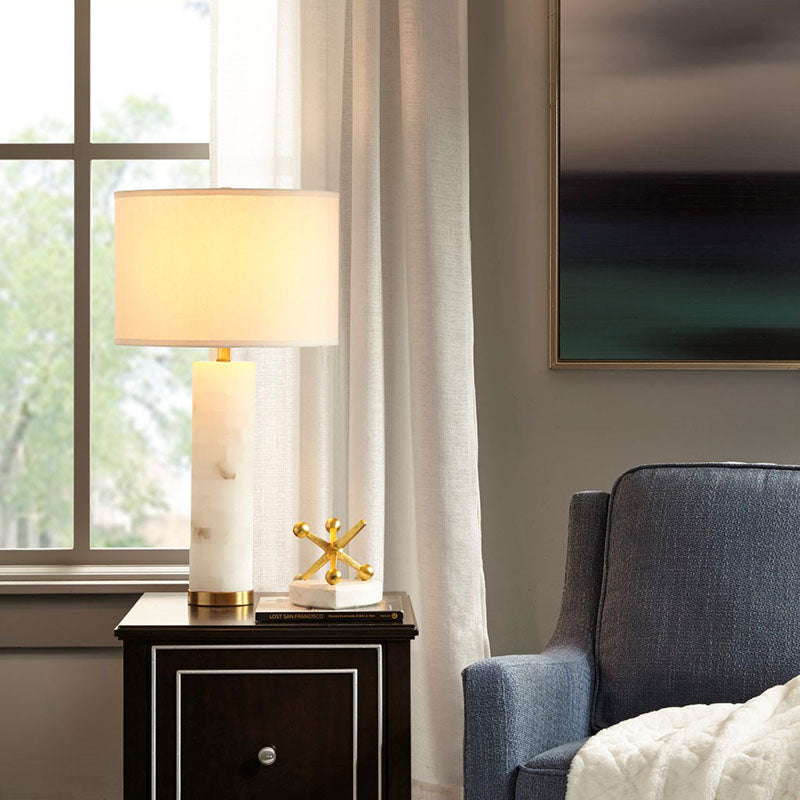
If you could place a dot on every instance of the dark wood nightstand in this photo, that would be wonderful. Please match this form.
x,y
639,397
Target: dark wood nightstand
x,y
219,707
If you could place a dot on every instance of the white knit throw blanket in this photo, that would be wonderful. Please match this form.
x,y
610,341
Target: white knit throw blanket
x,y
725,751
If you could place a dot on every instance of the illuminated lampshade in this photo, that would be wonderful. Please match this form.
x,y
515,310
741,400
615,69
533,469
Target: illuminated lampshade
x,y
226,267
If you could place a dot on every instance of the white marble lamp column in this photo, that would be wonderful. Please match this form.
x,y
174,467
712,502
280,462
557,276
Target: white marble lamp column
x,y
221,548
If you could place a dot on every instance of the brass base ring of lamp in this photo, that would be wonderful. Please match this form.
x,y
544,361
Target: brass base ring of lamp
x,y
221,598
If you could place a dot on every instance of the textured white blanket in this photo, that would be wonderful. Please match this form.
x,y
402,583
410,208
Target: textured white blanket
x,y
725,751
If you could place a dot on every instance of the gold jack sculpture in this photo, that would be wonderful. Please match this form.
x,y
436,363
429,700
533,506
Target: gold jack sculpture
x,y
333,550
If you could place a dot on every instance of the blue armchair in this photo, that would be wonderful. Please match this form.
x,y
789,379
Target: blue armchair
x,y
682,586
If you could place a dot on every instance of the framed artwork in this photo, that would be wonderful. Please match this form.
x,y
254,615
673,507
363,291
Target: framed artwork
x,y
675,184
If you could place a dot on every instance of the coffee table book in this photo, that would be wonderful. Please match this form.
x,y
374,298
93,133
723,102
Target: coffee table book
x,y
274,610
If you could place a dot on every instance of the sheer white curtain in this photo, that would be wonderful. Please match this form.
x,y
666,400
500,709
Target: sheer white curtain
x,y
369,98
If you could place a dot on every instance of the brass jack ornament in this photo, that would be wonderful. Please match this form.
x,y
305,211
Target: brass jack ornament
x,y
333,551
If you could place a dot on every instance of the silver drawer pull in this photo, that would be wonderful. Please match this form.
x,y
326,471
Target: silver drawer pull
x,y
267,756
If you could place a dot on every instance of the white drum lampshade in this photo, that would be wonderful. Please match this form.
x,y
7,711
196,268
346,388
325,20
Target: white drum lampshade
x,y
225,268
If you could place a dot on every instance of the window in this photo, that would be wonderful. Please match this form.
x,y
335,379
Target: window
x,y
94,438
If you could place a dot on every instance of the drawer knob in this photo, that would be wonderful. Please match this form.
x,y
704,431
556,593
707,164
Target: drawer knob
x,y
267,756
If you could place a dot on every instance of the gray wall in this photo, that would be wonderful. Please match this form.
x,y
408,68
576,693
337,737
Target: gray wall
x,y
545,434
61,697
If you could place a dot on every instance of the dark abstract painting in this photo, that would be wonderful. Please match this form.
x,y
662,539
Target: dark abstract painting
x,y
678,213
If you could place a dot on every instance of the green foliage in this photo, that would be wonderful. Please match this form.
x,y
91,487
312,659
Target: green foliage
x,y
202,7
140,420
36,357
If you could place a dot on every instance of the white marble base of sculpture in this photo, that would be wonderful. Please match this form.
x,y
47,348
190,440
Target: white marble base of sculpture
x,y
223,415
345,594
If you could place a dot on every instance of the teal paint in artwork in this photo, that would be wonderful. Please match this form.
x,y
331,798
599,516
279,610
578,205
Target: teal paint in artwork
x,y
663,267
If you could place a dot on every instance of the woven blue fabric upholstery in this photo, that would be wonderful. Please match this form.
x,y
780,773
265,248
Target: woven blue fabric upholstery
x,y
683,587
510,714
544,777
519,706
701,596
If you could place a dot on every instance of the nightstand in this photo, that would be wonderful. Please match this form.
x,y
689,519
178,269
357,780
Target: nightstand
x,y
217,706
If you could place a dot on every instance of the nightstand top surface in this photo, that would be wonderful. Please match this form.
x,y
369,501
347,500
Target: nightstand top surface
x,y
160,614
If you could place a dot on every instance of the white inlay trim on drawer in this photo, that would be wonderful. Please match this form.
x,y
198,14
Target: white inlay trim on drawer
x,y
178,682
153,657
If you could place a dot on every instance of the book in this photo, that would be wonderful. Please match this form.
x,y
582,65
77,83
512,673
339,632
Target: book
x,y
280,609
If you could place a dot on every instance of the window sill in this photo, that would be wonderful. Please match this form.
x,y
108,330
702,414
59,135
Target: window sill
x,y
96,579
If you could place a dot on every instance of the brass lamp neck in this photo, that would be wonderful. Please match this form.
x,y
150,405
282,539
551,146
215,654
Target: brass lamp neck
x,y
223,354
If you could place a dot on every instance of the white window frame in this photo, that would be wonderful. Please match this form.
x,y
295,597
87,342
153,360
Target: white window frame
x,y
81,562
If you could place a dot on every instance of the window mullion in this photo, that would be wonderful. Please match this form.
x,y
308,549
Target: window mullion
x,y
82,284
131,151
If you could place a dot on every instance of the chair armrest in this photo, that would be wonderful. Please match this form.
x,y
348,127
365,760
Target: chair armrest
x,y
516,707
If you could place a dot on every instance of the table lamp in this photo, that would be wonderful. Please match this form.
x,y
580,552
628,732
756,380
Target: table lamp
x,y
224,268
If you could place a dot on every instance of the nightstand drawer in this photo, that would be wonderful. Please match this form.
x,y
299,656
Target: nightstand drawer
x,y
291,722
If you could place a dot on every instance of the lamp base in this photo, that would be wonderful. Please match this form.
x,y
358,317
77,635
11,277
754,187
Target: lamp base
x,y
221,598
221,544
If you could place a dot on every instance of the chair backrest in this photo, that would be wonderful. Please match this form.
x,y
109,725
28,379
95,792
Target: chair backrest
x,y
700,597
